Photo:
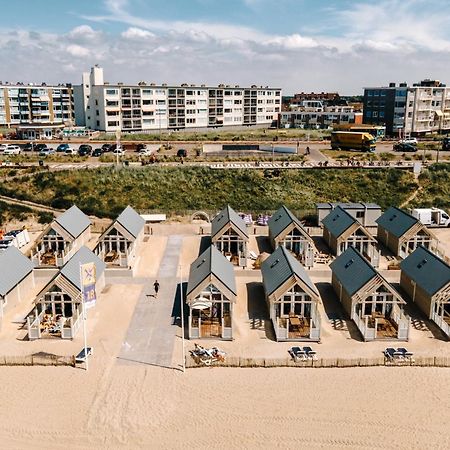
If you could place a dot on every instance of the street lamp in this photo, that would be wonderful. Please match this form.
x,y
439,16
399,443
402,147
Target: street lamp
x,y
182,319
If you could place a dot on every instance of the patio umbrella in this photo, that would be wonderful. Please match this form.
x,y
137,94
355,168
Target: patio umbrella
x,y
201,303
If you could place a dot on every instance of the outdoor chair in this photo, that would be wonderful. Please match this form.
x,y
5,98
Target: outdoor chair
x,y
389,353
310,353
297,353
405,353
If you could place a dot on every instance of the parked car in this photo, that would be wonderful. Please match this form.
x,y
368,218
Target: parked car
x,y
70,151
46,151
62,148
106,147
12,150
140,147
84,150
3,147
181,153
29,147
97,152
403,147
119,151
412,141
40,147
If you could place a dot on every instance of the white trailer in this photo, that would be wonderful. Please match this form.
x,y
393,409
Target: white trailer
x,y
432,217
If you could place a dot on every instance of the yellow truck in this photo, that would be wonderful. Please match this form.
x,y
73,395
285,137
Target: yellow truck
x,y
352,140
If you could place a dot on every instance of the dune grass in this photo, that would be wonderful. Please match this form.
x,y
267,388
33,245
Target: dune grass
x,y
104,192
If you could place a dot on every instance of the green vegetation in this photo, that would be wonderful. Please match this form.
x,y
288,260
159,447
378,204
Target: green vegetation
x,y
104,192
259,134
13,212
435,187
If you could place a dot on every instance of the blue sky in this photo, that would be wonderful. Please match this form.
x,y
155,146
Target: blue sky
x,y
299,45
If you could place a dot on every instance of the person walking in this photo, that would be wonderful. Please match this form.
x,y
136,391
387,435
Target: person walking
x,y
156,287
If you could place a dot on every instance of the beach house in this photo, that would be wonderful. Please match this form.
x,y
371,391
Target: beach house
x,y
370,301
292,298
402,233
62,238
16,278
341,231
365,213
118,244
426,279
287,231
229,235
211,294
58,308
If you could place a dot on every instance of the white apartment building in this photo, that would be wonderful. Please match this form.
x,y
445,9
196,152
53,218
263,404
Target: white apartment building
x,y
427,108
107,107
27,104
314,114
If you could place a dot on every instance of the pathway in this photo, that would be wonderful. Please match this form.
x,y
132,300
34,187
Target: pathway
x,y
151,336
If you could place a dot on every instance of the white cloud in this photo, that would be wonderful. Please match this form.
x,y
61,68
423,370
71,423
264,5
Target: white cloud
x,y
137,33
77,50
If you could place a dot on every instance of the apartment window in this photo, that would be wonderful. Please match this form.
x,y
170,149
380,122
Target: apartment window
x,y
370,93
190,120
190,111
98,123
147,91
381,114
238,102
160,91
383,93
190,102
97,112
227,110
148,121
160,102
227,93
113,124
136,92
237,92
189,92
368,113
147,102
375,114
147,113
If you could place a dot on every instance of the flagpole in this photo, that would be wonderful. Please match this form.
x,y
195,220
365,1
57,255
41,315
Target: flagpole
x,y
182,319
84,319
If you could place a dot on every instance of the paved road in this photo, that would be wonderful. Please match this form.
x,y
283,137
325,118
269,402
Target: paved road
x,y
151,336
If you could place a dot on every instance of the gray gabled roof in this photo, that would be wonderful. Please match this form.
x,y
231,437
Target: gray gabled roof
x,y
279,267
352,270
362,205
396,221
131,221
14,267
74,221
338,221
211,262
281,220
429,271
225,216
71,270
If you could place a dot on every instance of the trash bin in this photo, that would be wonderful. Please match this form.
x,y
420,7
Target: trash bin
x,y
41,163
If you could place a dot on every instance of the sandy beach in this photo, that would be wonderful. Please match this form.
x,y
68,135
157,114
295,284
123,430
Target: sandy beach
x,y
114,406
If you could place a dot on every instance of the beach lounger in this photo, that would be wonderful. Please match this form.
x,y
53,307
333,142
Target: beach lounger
x,y
389,353
406,354
253,255
85,352
310,353
297,353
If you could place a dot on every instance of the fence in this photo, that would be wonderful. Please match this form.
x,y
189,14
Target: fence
x,y
431,361
38,359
